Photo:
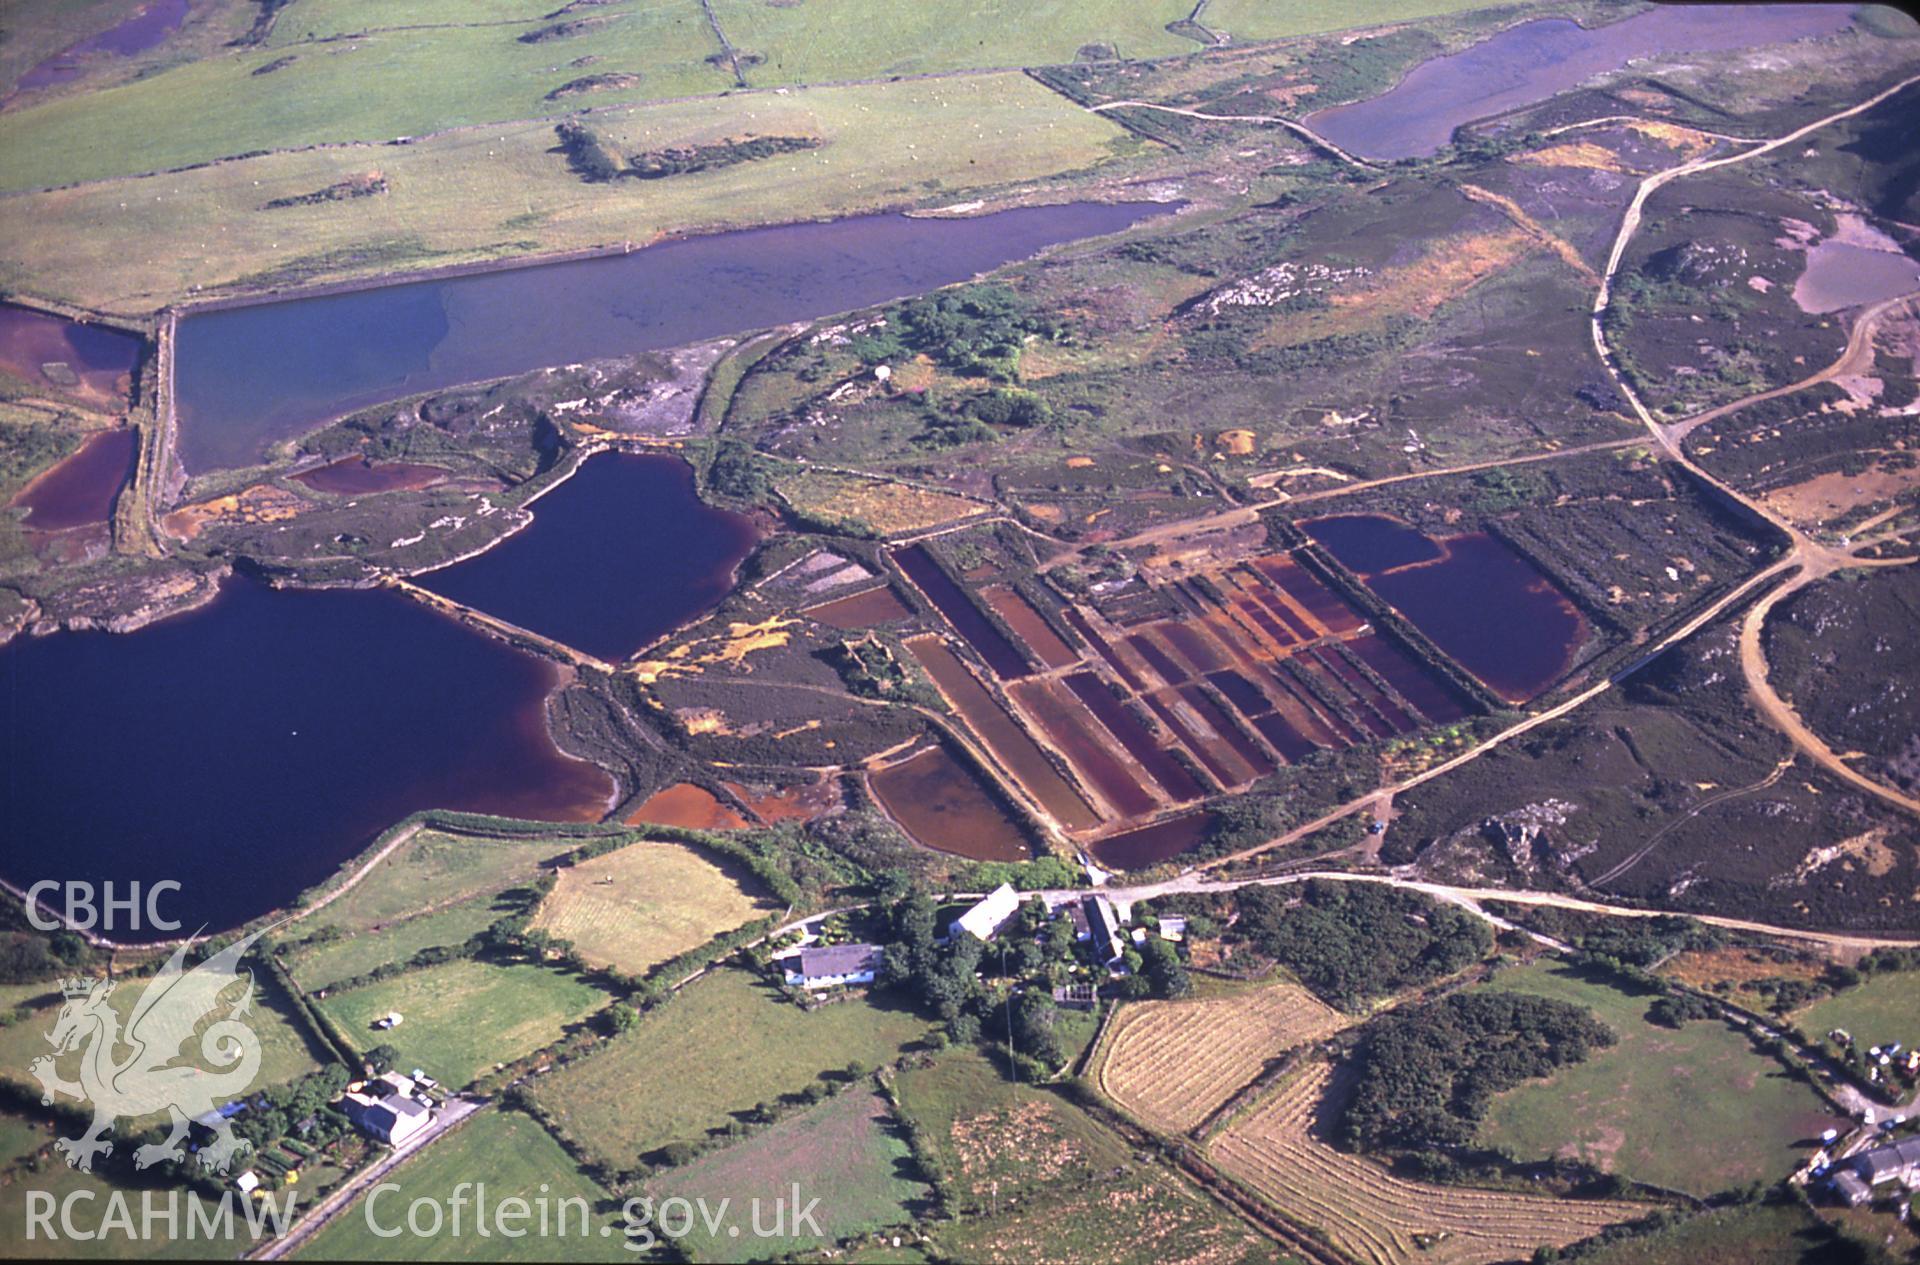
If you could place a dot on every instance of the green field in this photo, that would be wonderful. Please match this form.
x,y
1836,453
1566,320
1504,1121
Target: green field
x,y
516,1158
324,965
286,1051
859,39
435,889
1884,1009
461,1018
958,1101
319,19
1278,19
1695,1109
1757,1234
725,1044
500,193
374,89
429,871
845,1151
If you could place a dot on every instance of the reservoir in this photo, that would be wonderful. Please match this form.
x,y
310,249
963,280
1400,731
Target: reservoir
x,y
1528,63
246,749
248,376
619,554
1487,607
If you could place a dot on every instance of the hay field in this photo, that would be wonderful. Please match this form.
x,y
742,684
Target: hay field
x,y
644,904
1171,1064
886,507
1378,1219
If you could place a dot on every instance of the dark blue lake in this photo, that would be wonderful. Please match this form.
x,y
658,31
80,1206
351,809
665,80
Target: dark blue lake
x,y
247,376
246,749
619,554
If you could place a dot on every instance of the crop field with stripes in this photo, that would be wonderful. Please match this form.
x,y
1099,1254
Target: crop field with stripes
x,y
1371,1216
1173,1064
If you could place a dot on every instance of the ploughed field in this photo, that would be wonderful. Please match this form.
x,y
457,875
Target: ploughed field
x,y
1370,1215
1172,1064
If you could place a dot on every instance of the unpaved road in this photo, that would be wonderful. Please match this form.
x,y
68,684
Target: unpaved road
x,y
1470,898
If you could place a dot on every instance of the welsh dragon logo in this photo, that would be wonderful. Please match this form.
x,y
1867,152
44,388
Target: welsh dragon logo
x,y
144,1080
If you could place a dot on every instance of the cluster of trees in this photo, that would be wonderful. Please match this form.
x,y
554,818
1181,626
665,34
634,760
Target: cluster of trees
x,y
1009,406
976,330
1634,946
587,154
29,957
1004,991
280,1110
682,160
1428,1074
1352,941
738,472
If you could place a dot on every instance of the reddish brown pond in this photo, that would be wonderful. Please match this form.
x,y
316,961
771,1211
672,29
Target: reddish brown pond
x,y
1152,845
1008,742
942,804
1140,743
1072,732
1031,627
88,362
861,610
356,476
81,489
952,601
686,805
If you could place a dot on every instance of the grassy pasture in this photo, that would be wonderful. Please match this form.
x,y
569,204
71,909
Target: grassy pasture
x,y
1744,1118
646,903
373,89
325,965
1277,19
432,870
725,1044
858,39
286,1051
516,1158
1171,1064
1885,1008
847,1151
991,1133
320,19
1757,1234
463,1017
479,195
